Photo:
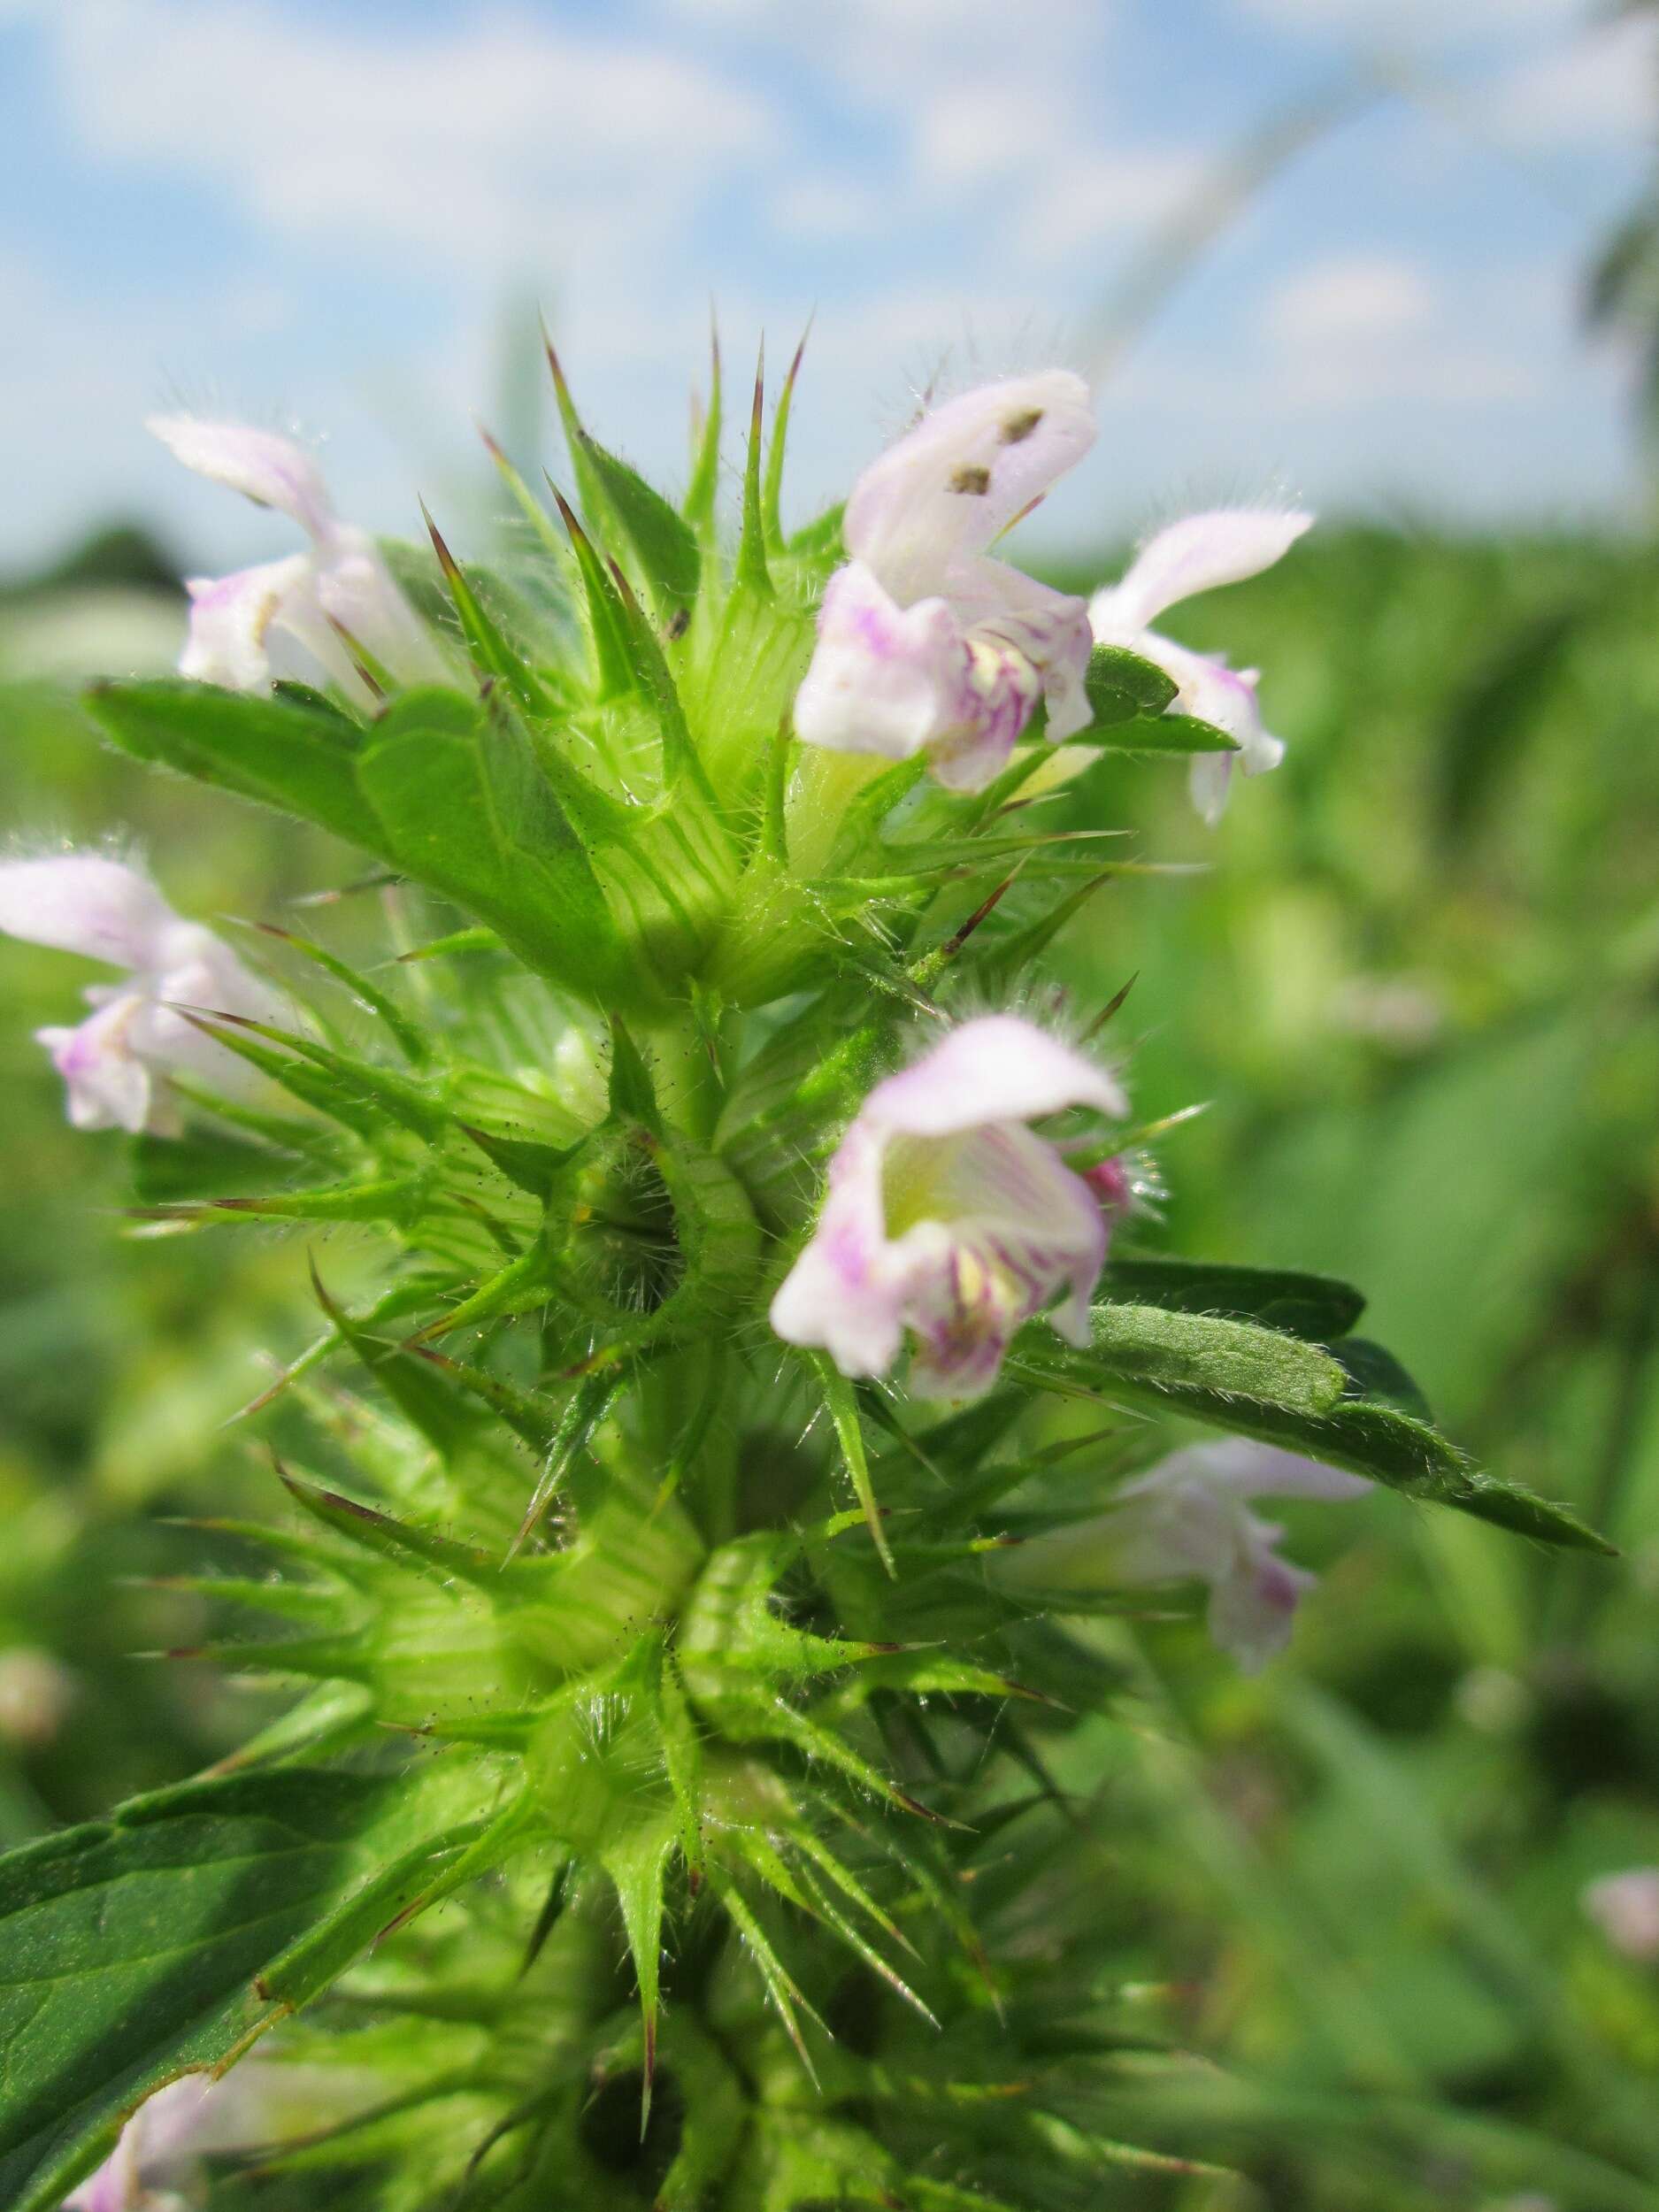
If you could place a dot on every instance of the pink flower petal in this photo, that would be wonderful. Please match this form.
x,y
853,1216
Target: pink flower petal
x,y
883,679
271,471
110,1062
945,1214
231,619
951,485
1202,552
997,1068
108,1084
87,903
1626,1908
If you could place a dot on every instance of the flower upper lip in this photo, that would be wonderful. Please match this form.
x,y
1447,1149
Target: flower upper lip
x,y
927,642
924,514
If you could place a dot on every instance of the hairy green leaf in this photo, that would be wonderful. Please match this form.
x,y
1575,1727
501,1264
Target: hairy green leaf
x,y
1160,1351
168,1937
1317,1307
664,546
284,754
463,806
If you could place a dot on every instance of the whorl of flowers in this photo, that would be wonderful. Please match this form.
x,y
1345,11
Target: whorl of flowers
x,y
772,1350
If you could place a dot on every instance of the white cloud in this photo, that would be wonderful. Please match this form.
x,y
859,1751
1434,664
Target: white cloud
x,y
1087,198
944,177
500,136
1600,88
1460,20
978,92
824,206
1349,299
891,45
972,132
1352,331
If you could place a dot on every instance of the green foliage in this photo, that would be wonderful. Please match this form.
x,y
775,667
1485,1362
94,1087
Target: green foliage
x,y
1129,698
1314,1307
619,501
285,753
464,809
172,1937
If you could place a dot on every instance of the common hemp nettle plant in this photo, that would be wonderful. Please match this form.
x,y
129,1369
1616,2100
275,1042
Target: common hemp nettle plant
x,y
687,1562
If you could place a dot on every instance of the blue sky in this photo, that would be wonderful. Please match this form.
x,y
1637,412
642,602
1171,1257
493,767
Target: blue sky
x,y
336,217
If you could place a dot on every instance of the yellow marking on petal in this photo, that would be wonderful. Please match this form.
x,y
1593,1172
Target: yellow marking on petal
x,y
974,1278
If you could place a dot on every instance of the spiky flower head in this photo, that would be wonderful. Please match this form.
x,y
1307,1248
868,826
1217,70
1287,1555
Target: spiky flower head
x,y
655,1733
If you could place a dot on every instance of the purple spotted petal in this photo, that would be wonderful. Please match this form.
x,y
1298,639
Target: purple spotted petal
x,y
1048,628
883,679
898,680
848,1291
925,643
945,491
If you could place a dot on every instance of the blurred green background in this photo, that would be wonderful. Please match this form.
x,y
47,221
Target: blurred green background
x,y
1415,972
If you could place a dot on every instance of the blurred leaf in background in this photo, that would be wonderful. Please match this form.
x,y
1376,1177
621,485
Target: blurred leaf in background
x,y
1418,978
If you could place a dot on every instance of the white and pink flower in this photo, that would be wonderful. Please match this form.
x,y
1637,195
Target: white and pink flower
x,y
925,643
115,1063
947,1215
1188,1520
1626,1908
1200,553
338,596
260,2106
178,2121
